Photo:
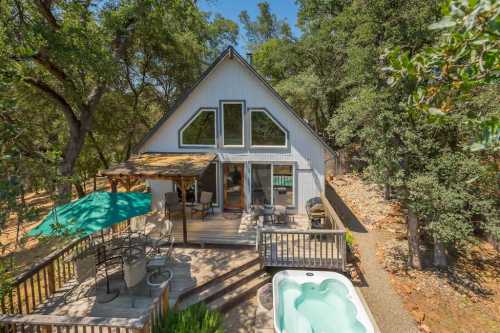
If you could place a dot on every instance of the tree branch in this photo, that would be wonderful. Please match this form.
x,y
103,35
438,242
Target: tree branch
x,y
44,7
43,59
55,96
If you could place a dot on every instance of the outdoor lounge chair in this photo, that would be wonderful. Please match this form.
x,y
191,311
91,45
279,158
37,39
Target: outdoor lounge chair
x,y
172,204
205,204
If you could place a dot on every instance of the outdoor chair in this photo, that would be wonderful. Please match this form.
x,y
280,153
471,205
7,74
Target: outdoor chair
x,y
161,238
204,205
134,272
268,214
172,204
256,211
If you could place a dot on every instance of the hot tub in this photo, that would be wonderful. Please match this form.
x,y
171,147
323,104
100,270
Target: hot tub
x,y
317,302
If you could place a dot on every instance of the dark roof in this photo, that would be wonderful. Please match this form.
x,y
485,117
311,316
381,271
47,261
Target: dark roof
x,y
232,53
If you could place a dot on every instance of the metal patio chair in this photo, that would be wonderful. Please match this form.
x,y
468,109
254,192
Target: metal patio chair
x,y
172,204
204,205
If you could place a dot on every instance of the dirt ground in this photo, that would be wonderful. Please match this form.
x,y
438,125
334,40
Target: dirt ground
x,y
464,298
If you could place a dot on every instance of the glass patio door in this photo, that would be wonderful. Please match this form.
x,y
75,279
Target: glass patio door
x,y
234,197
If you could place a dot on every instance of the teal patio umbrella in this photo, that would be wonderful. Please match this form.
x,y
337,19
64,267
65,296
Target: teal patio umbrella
x,y
94,212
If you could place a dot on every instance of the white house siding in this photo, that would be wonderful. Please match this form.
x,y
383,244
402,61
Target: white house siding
x,y
231,80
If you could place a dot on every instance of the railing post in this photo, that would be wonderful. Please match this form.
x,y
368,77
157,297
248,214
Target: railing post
x,y
45,329
164,300
51,277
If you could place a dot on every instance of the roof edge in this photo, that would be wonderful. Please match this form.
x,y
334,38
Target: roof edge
x,y
232,53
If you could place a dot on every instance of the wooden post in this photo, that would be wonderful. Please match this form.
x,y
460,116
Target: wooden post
x,y
112,184
51,277
129,185
165,302
184,222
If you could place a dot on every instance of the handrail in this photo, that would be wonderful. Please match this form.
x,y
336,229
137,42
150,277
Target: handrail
x,y
298,231
47,261
49,320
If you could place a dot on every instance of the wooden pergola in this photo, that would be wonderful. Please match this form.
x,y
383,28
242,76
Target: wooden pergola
x,y
182,168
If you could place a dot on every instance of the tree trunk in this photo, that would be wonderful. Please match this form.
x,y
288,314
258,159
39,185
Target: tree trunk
x,y
79,190
413,241
20,216
78,130
95,183
387,191
440,259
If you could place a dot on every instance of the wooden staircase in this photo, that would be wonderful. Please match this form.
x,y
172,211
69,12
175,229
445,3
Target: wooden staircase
x,y
226,290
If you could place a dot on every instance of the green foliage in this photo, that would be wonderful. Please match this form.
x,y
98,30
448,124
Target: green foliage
x,y
6,280
196,318
465,57
266,27
335,76
349,239
92,77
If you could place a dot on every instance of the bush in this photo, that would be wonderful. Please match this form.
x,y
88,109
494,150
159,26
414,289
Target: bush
x,y
349,239
195,319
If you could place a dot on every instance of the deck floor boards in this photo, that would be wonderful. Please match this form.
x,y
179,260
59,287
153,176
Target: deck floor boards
x,y
191,267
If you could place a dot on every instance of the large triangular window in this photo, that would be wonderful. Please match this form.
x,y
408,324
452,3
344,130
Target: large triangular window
x,y
266,132
200,131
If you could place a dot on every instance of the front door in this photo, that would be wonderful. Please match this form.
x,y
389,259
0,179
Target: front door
x,y
234,174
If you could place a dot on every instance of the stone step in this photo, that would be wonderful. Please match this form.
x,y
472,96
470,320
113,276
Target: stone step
x,y
216,290
228,300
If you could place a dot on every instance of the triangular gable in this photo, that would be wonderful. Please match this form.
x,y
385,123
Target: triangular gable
x,y
230,52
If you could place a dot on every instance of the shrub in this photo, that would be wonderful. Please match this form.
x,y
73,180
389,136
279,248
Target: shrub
x,y
349,239
197,318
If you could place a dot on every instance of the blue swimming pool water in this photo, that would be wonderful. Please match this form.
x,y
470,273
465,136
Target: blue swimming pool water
x,y
317,308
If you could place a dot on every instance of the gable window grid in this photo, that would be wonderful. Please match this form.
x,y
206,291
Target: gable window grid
x,y
195,117
273,164
270,117
224,103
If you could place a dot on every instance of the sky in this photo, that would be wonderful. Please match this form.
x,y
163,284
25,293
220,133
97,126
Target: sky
x,y
283,9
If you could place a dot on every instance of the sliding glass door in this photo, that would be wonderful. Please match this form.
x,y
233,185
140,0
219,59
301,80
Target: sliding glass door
x,y
272,184
261,184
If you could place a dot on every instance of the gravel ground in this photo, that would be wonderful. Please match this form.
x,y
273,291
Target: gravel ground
x,y
385,304
241,318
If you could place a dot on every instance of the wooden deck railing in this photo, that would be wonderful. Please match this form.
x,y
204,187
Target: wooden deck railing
x,y
302,248
43,280
38,284
315,248
36,323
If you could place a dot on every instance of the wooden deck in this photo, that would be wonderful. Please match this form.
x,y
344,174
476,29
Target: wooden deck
x,y
191,267
227,229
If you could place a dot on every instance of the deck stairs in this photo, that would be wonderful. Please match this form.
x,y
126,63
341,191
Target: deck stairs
x,y
226,290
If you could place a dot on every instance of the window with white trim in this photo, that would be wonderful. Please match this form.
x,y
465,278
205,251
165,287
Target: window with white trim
x,y
232,124
266,132
200,131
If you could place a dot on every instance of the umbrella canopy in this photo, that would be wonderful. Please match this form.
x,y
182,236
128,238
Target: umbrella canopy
x,y
92,213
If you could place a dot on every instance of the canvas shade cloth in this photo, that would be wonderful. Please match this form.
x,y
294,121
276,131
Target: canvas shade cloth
x,y
94,212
